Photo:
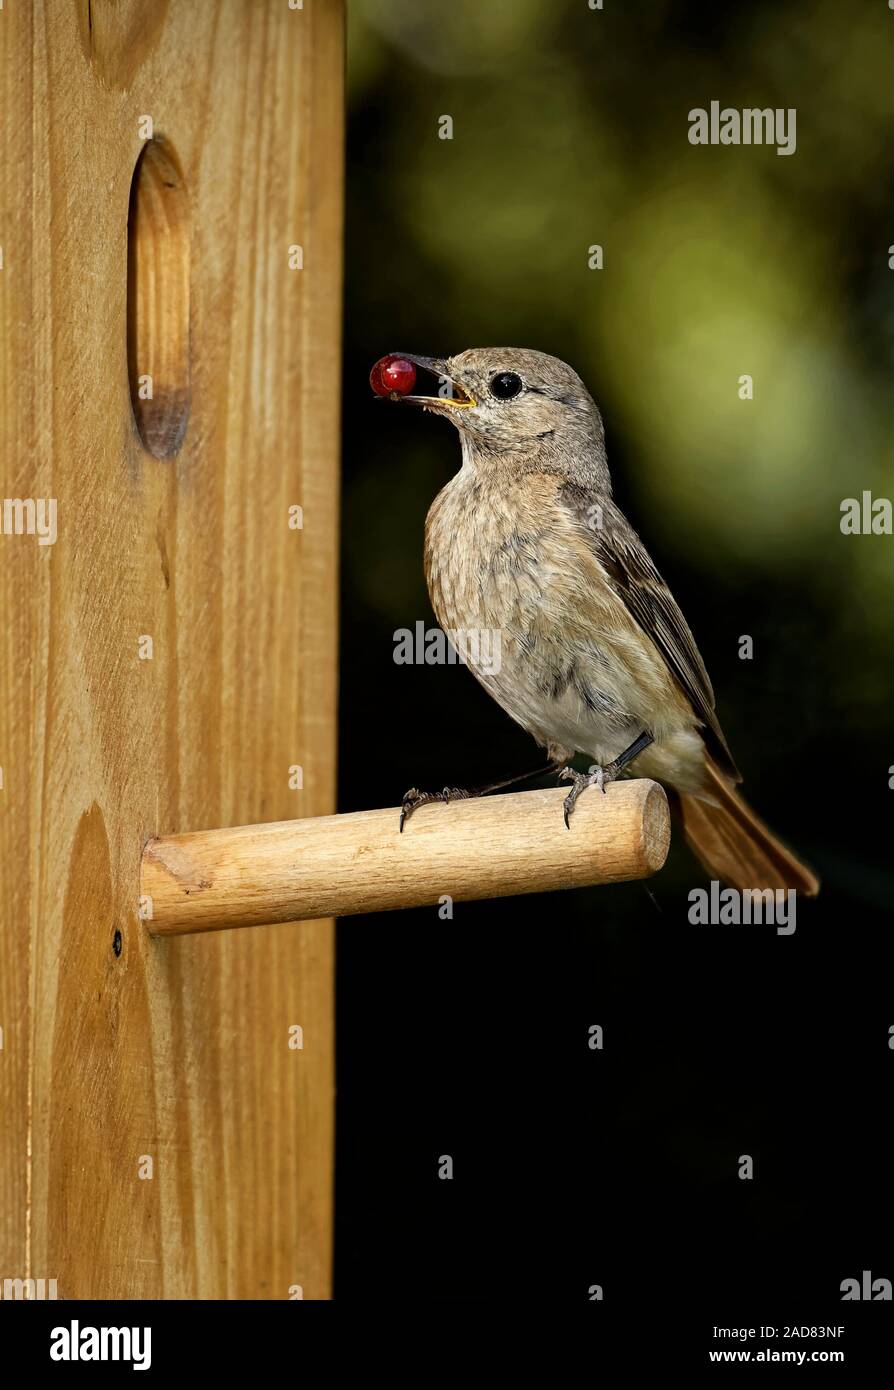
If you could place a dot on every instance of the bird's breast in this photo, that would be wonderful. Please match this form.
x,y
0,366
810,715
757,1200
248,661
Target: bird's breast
x,y
522,596
486,553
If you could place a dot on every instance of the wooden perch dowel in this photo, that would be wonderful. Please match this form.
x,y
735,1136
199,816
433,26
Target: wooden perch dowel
x,y
336,866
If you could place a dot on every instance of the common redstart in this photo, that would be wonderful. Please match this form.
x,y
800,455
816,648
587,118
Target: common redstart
x,y
595,656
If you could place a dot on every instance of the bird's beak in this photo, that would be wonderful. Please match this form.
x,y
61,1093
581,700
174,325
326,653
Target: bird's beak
x,y
461,399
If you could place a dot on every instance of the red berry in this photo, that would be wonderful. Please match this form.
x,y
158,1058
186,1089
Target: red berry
x,y
392,374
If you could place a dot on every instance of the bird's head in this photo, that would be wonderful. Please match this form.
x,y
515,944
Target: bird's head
x,y
505,400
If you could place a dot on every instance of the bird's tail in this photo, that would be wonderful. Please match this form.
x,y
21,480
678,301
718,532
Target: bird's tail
x,y
737,848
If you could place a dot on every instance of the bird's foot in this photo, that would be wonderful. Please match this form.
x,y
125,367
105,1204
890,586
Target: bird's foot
x,y
596,777
415,798
601,776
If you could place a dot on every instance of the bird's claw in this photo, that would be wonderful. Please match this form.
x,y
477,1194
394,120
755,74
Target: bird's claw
x,y
596,777
414,798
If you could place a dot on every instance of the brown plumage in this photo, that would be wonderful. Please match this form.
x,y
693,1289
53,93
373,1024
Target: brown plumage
x,y
526,542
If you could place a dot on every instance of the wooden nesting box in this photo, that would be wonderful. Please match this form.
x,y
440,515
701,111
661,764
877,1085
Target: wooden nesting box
x,y
170,251
170,225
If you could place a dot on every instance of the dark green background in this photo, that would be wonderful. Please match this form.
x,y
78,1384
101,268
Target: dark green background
x,y
470,1037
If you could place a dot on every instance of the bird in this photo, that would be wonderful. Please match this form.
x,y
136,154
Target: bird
x,y
596,658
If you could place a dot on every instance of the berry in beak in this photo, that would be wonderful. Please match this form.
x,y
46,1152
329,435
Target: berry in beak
x,y
394,376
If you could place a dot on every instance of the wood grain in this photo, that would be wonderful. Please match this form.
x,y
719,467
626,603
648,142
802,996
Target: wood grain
x,y
498,846
116,1045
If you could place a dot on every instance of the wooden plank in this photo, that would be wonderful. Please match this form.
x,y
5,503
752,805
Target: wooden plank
x,y
173,1049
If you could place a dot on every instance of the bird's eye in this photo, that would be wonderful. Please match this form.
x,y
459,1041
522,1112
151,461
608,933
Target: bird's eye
x,y
505,385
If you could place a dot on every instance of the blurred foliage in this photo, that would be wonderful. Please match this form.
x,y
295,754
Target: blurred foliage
x,y
570,129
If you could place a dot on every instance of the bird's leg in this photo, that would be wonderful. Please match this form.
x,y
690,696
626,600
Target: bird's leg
x,y
599,776
618,764
415,798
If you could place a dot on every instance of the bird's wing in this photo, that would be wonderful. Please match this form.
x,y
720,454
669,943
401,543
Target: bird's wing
x,y
651,604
